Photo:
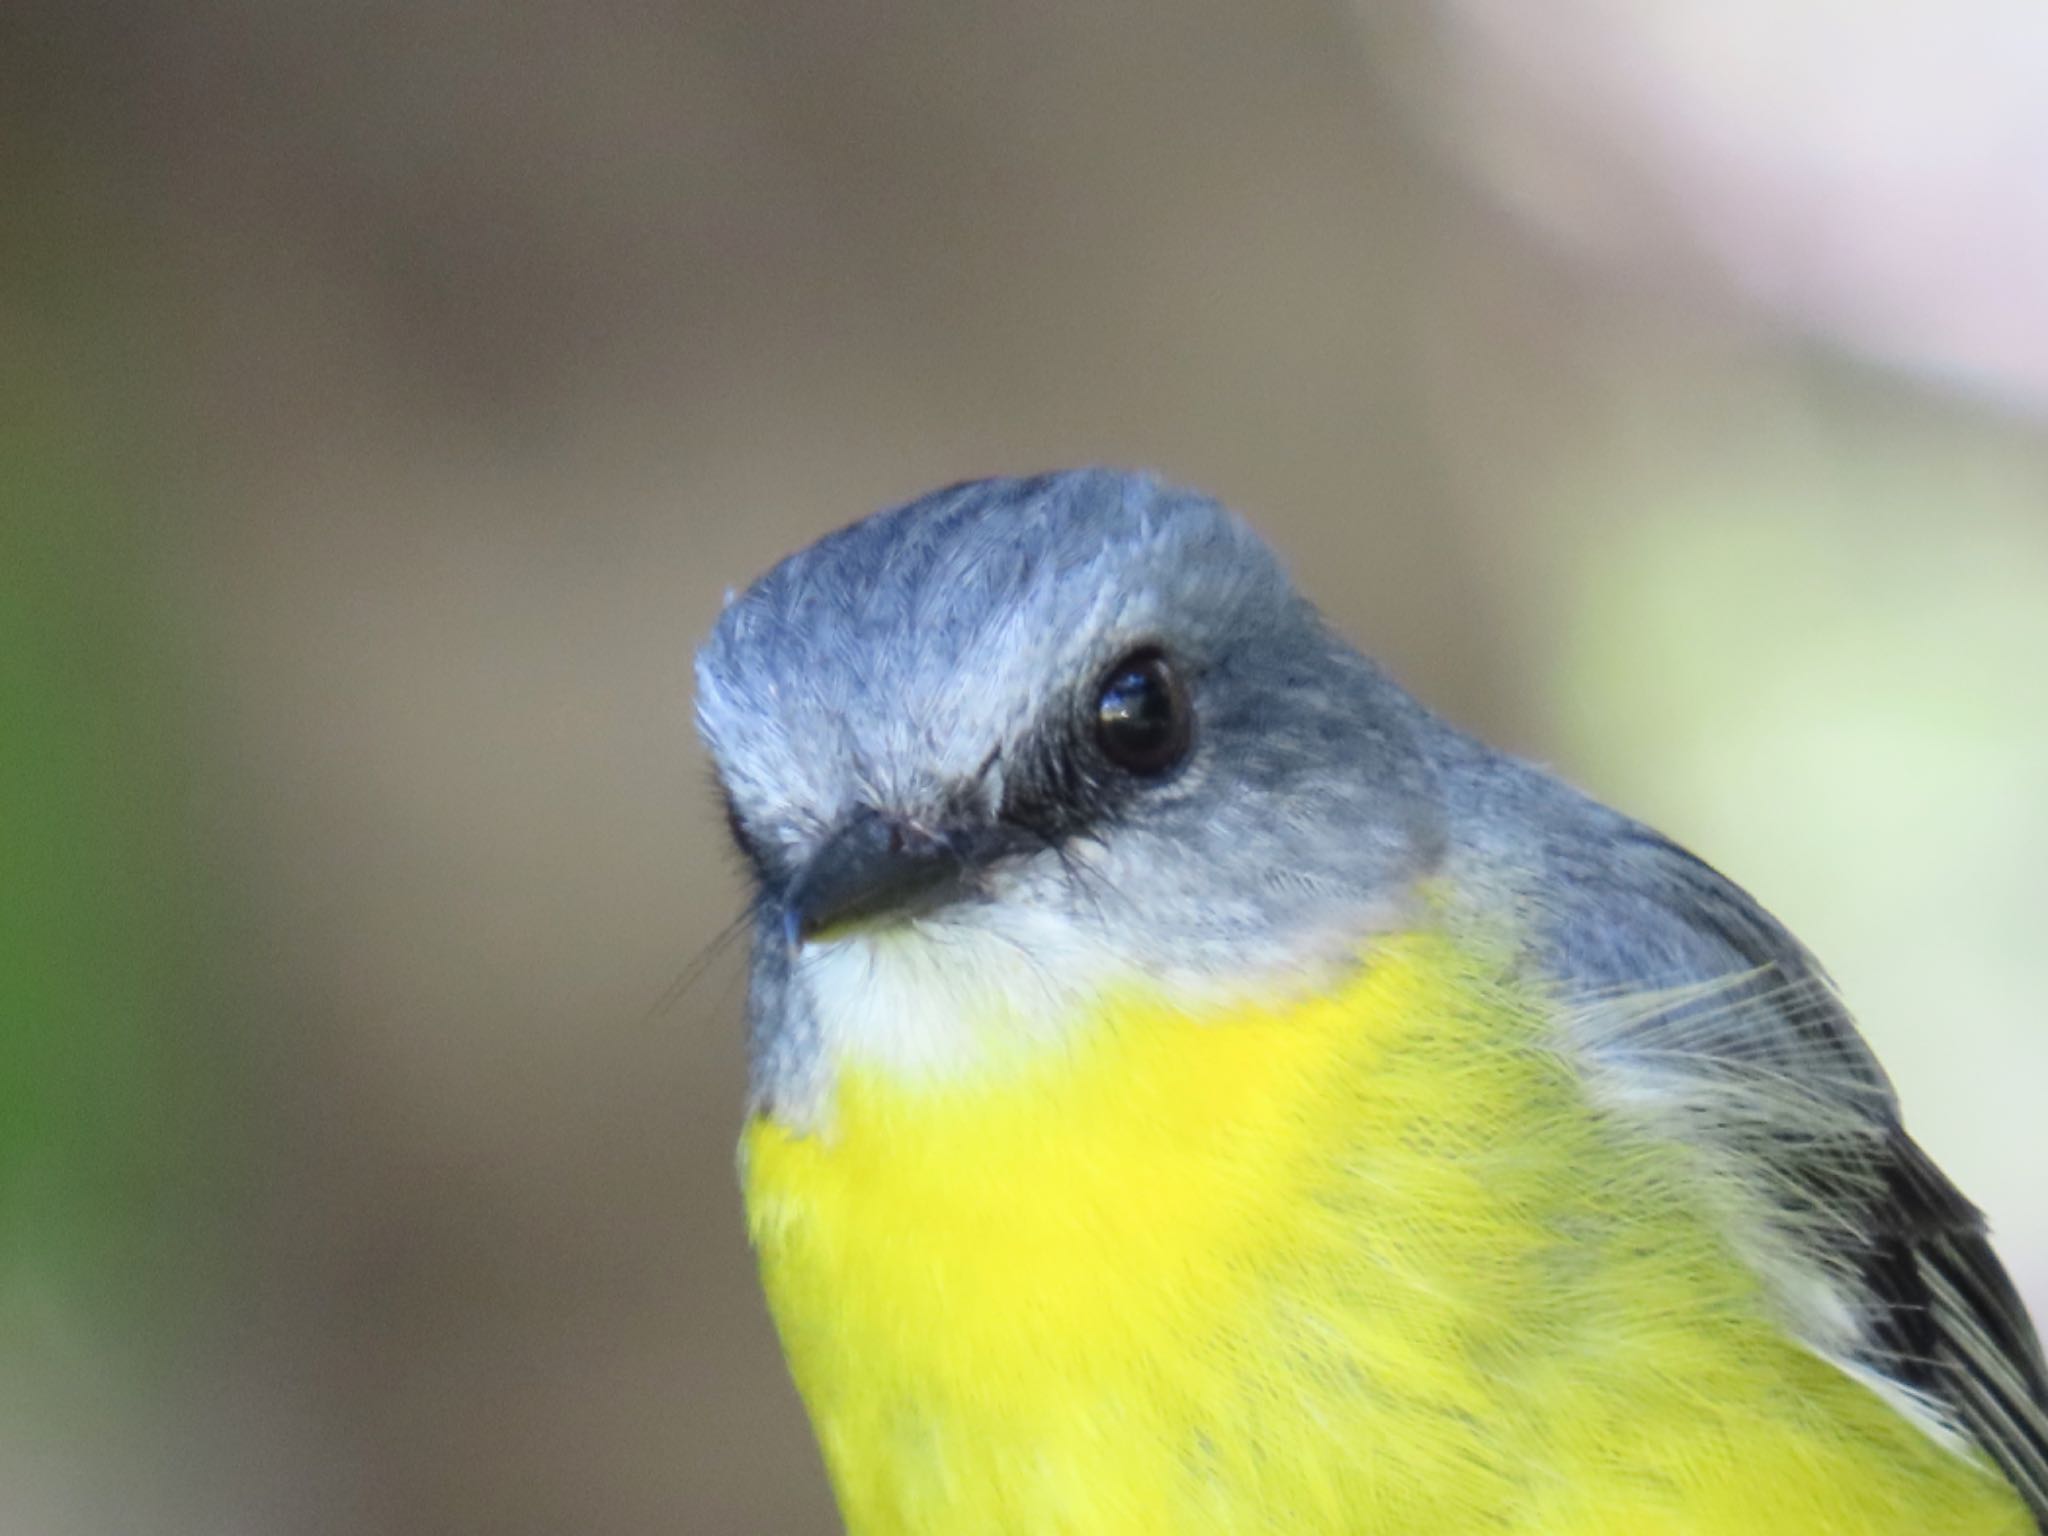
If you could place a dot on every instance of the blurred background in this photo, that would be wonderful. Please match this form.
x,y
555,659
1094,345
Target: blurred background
x,y
388,392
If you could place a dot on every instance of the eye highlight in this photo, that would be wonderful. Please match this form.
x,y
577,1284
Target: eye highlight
x,y
1143,718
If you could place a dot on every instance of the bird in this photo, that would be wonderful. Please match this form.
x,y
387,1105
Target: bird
x,y
1195,1088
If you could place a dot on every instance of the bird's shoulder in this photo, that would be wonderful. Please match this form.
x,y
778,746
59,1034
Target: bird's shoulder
x,y
1684,990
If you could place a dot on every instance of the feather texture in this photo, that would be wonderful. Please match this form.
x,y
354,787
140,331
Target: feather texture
x,y
1373,1261
1878,1262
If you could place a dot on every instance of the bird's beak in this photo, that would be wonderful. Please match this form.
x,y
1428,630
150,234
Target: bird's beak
x,y
872,865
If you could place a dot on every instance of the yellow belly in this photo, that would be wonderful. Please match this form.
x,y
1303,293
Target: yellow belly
x,y
1369,1264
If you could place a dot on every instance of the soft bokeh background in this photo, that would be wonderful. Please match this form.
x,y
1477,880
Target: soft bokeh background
x,y
388,392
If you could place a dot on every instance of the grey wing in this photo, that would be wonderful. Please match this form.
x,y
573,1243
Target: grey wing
x,y
1758,1063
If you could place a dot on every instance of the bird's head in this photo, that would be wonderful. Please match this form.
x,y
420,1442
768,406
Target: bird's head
x,y
990,750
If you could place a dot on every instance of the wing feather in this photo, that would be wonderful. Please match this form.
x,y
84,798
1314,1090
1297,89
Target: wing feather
x,y
1751,1054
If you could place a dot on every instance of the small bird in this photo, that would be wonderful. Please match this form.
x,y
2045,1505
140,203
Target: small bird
x,y
1197,1090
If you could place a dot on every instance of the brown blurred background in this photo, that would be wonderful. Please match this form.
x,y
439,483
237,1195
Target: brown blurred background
x,y
388,392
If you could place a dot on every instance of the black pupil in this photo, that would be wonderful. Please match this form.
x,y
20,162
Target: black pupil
x,y
1140,718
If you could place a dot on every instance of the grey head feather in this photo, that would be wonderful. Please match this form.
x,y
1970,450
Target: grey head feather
x,y
936,663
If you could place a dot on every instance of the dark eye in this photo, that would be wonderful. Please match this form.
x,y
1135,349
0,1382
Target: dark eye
x,y
1142,718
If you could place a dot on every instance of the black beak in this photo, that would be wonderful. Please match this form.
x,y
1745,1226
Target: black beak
x,y
871,865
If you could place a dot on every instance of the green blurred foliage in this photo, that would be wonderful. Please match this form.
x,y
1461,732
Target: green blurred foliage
x,y
1813,666
101,1041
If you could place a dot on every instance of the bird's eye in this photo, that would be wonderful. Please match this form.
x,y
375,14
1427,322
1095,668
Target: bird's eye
x,y
1143,721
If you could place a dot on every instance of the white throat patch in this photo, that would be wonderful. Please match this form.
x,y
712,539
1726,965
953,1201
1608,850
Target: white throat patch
x,y
978,988
936,999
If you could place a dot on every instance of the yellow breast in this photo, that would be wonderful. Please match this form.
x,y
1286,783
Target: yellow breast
x,y
1371,1263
